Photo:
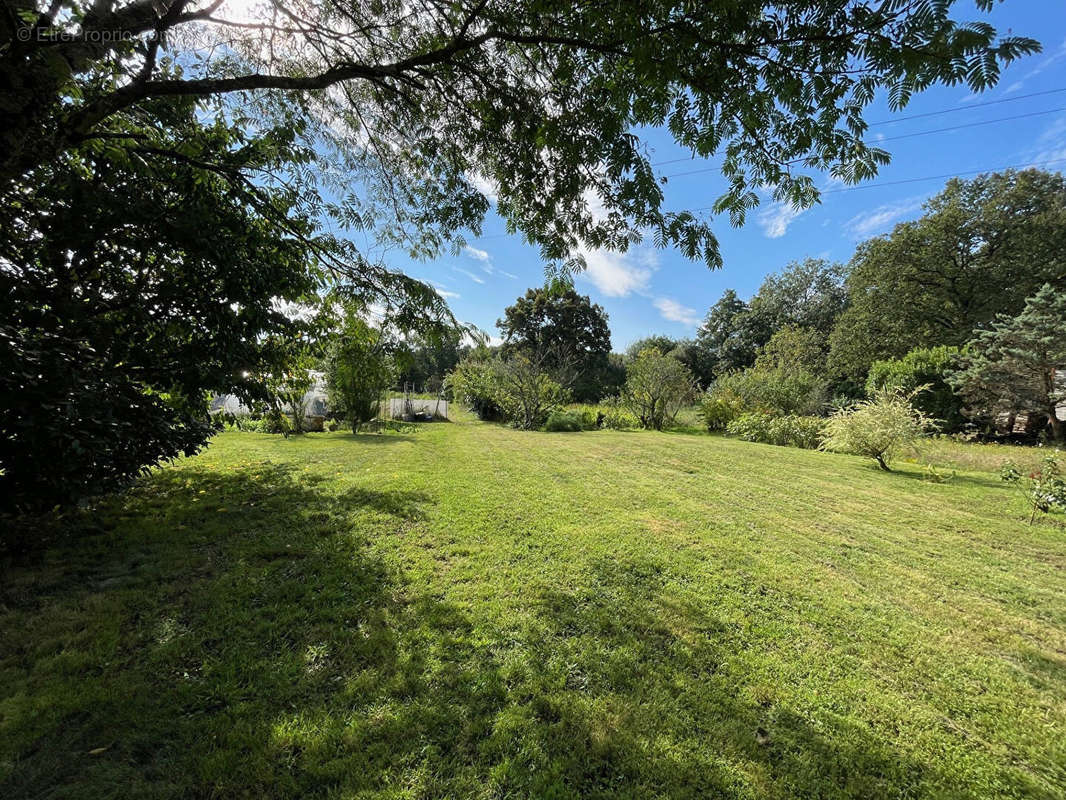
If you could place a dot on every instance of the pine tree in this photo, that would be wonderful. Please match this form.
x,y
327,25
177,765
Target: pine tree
x,y
1012,365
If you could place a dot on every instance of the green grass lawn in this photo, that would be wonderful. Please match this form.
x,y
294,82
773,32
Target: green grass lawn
x,y
470,611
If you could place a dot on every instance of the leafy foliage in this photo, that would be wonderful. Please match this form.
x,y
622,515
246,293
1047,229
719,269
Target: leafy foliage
x,y
1044,489
928,367
980,249
525,392
877,428
473,383
731,336
797,306
75,425
688,351
519,390
776,391
565,331
794,349
359,369
808,294
616,416
564,422
1012,366
659,342
424,361
539,100
130,286
718,409
591,417
785,431
657,386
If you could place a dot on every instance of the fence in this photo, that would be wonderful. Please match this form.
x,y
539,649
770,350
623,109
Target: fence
x,y
404,408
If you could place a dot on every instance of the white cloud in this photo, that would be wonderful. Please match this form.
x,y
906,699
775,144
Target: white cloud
x,y
1058,55
775,220
484,185
474,252
482,256
469,274
866,224
595,205
507,274
675,312
619,274
442,290
1013,87
1051,144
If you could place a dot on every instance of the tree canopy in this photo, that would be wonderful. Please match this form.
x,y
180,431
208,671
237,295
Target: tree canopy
x,y
120,314
565,330
807,297
1012,366
539,101
981,247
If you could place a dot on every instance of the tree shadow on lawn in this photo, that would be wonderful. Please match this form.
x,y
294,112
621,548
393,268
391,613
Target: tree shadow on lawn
x,y
190,652
913,471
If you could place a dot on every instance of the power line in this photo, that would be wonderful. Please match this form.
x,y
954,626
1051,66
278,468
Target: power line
x,y
973,124
904,136
942,177
966,107
879,184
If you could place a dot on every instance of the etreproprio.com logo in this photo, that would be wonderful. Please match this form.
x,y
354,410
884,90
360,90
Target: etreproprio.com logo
x,y
89,36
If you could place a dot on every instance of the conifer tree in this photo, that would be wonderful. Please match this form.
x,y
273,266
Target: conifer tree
x,y
1012,366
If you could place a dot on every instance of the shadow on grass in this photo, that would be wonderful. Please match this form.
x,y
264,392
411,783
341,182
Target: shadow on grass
x,y
916,472
236,636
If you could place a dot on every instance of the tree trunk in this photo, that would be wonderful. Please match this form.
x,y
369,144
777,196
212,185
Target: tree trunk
x,y
1057,432
881,463
1011,419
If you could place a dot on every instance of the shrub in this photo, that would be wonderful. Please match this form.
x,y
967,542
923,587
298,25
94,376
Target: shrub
x,y
103,429
274,421
473,383
805,432
717,410
564,421
786,431
1044,489
751,426
773,391
657,387
616,416
517,390
877,428
358,371
525,393
591,417
618,419
928,367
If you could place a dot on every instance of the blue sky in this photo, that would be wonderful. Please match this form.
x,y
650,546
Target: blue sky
x,y
649,291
